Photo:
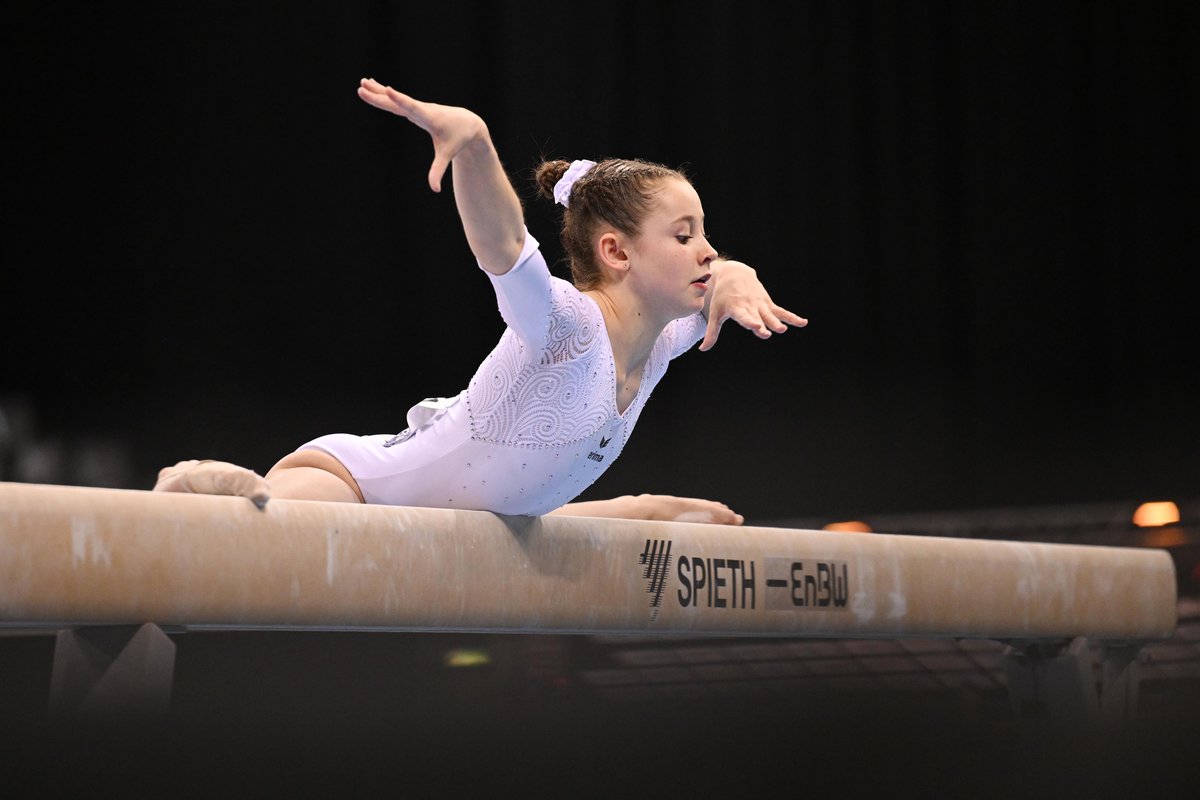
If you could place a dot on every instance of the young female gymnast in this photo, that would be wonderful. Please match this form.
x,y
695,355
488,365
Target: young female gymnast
x,y
554,403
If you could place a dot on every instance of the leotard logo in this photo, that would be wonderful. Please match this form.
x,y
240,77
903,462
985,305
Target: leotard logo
x,y
594,456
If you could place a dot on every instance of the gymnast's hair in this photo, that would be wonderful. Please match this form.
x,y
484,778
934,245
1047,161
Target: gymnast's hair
x,y
617,192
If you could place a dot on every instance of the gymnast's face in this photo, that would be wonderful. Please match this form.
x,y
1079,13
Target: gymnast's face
x,y
670,260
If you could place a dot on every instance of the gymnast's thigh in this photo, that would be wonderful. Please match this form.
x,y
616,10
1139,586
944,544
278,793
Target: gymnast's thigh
x,y
407,473
318,459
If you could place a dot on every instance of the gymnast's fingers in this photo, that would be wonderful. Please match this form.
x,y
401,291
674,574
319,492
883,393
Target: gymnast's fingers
x,y
710,512
790,318
375,93
770,320
388,99
407,107
752,320
724,515
438,170
711,333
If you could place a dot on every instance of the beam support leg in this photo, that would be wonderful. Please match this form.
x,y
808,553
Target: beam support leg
x,y
121,671
1052,683
1119,693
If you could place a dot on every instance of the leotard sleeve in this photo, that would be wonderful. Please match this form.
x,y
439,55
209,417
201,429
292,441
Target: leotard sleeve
x,y
524,294
681,334
525,297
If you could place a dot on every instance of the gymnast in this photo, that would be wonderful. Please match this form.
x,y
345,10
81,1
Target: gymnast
x,y
552,406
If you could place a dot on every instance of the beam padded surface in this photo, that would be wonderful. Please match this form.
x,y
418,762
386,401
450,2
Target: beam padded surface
x,y
73,556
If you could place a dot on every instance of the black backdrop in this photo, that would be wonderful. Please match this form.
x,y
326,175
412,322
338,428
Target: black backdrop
x,y
988,211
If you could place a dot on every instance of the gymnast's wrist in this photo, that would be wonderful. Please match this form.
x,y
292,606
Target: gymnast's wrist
x,y
723,263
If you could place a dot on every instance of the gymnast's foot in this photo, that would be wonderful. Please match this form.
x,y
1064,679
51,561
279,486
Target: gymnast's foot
x,y
214,477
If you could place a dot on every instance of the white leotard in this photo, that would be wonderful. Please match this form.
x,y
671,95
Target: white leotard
x,y
538,422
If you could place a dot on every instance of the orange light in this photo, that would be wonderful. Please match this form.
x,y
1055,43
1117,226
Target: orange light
x,y
1149,515
850,526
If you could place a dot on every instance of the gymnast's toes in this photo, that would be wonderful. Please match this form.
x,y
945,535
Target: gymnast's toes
x,y
214,477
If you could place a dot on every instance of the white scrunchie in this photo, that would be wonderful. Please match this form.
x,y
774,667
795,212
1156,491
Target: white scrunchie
x,y
562,189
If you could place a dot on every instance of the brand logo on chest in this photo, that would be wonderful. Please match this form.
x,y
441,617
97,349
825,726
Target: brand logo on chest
x,y
594,456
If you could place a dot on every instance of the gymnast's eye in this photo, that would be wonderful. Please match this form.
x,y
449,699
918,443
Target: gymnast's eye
x,y
683,238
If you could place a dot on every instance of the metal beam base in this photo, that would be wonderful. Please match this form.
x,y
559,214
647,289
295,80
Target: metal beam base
x,y
1056,684
112,672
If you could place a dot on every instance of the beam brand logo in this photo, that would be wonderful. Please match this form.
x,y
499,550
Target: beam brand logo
x,y
656,558
813,584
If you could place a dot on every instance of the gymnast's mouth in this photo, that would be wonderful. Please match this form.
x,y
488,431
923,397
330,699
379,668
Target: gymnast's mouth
x,y
702,281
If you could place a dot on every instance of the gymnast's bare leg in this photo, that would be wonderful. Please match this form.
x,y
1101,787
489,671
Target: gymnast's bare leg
x,y
313,475
302,475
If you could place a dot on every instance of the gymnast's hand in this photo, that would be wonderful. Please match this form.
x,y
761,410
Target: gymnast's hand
x,y
737,294
685,509
451,127
662,507
214,477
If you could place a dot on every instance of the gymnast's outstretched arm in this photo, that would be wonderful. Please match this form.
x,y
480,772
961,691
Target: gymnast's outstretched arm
x,y
487,204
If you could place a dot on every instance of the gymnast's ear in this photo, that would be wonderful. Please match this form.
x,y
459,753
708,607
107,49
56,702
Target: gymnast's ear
x,y
611,254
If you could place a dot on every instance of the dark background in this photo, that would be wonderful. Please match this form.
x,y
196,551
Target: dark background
x,y
988,211
213,249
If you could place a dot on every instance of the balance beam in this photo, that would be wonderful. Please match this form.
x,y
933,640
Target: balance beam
x,y
72,557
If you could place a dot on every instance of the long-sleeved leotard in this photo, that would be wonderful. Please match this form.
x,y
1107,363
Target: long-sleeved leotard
x,y
536,425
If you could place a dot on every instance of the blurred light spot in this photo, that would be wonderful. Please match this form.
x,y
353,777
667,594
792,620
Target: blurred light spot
x,y
466,658
851,526
1149,515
